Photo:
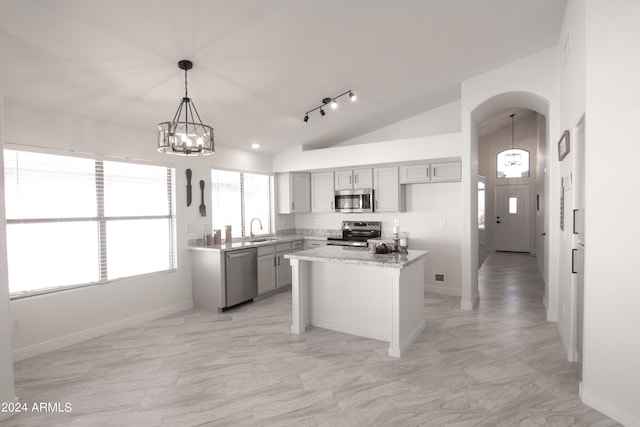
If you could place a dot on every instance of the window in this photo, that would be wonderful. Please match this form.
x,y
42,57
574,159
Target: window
x,y
512,163
239,197
74,221
513,205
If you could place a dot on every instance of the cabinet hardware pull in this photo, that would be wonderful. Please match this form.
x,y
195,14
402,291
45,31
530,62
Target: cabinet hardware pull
x,y
573,263
574,221
278,260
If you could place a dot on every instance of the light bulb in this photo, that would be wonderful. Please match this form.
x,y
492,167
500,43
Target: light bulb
x,y
352,96
334,104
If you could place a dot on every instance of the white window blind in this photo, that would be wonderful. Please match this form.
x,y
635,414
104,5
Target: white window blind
x,y
239,197
73,221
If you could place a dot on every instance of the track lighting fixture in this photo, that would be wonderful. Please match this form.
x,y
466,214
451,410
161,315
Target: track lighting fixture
x,y
329,101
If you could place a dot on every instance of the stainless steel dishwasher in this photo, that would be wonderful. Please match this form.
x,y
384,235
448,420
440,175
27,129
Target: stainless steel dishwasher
x,y
242,276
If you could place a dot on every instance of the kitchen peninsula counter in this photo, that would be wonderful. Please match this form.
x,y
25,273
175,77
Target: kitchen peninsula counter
x,y
379,296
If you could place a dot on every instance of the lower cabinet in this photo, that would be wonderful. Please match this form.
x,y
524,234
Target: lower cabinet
x,y
266,270
274,270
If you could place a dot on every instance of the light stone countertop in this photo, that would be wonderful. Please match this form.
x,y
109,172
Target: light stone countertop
x,y
347,255
270,240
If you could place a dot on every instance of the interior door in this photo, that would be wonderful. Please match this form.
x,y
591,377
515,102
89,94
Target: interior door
x,y
513,218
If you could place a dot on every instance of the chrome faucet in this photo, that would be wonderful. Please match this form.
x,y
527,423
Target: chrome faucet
x,y
251,226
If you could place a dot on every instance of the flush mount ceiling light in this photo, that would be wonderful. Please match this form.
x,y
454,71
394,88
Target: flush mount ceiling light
x,y
185,134
331,102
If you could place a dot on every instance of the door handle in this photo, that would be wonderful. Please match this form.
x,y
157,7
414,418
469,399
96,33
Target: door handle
x,y
573,261
574,221
278,260
543,234
497,222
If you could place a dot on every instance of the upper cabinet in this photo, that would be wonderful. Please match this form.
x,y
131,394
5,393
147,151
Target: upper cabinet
x,y
430,172
294,192
353,178
322,193
448,171
387,192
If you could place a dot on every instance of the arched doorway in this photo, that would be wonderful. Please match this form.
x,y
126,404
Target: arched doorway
x,y
477,115
510,143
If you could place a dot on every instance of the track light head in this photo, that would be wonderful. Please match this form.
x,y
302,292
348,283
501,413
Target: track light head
x,y
334,104
352,96
306,118
322,113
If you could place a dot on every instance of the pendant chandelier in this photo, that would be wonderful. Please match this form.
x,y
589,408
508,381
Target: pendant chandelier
x,y
185,134
513,158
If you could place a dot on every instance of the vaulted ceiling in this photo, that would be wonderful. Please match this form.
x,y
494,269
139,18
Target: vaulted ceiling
x,y
260,65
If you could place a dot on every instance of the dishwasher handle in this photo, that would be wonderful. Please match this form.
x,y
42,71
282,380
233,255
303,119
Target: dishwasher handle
x,y
240,254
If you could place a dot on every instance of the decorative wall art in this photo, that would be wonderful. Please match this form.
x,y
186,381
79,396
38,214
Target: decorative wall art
x,y
563,146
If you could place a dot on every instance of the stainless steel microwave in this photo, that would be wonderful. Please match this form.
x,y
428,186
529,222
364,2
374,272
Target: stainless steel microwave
x,y
356,201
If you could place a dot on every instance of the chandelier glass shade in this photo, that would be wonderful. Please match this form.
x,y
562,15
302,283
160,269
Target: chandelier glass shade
x,y
185,134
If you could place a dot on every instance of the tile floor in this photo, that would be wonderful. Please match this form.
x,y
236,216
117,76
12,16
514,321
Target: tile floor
x,y
501,365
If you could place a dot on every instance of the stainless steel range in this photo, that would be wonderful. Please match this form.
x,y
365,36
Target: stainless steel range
x,y
356,233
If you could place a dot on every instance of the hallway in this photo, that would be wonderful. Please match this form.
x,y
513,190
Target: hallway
x,y
501,365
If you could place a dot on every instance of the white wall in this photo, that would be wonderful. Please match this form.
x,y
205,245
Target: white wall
x,y
7,388
390,151
439,121
54,320
571,64
611,378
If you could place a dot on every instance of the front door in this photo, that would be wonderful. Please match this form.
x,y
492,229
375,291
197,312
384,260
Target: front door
x,y
513,218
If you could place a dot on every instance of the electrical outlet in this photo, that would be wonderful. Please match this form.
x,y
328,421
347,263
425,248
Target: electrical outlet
x,y
396,222
317,221
439,277
16,326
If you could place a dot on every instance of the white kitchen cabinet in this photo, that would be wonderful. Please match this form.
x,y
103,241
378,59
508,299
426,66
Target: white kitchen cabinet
x,y
447,171
430,172
415,173
274,269
322,193
294,192
283,266
388,194
353,179
266,269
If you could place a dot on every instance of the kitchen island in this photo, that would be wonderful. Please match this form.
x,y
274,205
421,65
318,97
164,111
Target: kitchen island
x,y
379,296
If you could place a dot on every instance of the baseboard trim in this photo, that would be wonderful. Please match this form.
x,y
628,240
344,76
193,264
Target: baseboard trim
x,y
443,290
87,334
410,339
470,305
608,408
338,327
